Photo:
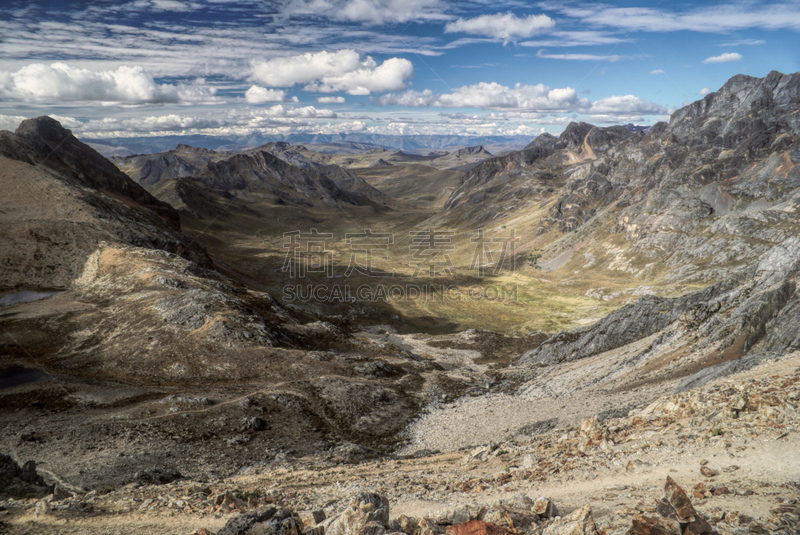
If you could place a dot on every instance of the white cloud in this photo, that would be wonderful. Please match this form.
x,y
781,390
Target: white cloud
x,y
369,11
331,100
232,122
505,26
724,58
579,57
492,95
10,122
744,42
707,19
626,105
257,95
705,91
576,38
327,72
657,71
128,85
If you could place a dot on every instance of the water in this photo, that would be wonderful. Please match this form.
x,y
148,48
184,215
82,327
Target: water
x,y
23,296
21,376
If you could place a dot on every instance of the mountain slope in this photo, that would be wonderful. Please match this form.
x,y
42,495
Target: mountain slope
x,y
709,200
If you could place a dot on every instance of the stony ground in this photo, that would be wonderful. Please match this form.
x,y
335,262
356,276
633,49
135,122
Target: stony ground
x,y
732,444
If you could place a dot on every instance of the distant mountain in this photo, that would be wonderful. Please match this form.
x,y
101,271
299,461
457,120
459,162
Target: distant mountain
x,y
352,143
277,170
636,128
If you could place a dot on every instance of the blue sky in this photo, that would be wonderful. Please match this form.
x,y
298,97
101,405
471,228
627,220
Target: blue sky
x,y
238,67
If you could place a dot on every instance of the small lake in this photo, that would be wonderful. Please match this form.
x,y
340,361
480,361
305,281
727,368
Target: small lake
x,y
21,376
23,296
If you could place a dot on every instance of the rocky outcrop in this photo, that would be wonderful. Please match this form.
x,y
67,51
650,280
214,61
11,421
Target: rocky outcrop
x,y
18,482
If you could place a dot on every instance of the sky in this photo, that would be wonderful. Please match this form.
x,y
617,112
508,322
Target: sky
x,y
116,68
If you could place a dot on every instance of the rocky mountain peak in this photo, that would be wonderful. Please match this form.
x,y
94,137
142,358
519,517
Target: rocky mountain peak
x,y
45,128
468,151
43,141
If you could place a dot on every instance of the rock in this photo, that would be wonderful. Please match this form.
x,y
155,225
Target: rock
x,y
364,508
42,508
255,423
448,517
408,524
60,493
590,427
312,518
264,521
544,507
529,461
698,526
20,482
230,500
518,501
372,528
708,472
476,527
426,528
578,522
679,501
642,525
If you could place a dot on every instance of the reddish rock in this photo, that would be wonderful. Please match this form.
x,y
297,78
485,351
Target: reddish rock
x,y
708,472
476,527
642,525
698,527
679,501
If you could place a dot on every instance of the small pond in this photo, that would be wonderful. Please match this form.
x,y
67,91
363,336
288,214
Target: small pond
x,y
20,376
23,296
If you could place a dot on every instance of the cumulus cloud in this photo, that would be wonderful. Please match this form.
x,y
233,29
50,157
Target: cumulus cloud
x,y
657,71
369,11
705,91
505,26
125,84
578,57
626,105
492,95
327,72
724,58
11,122
331,100
257,95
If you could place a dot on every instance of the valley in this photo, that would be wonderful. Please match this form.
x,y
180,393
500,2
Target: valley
x,y
192,336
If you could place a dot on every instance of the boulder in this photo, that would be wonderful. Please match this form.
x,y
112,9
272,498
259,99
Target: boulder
x,y
679,501
578,522
364,508
20,482
544,507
